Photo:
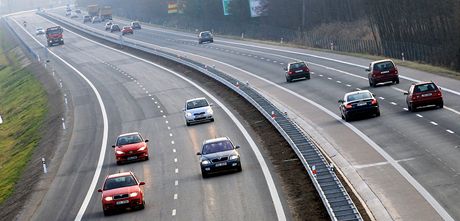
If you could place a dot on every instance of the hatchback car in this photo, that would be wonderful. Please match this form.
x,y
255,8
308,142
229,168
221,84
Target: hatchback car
x,y
129,147
108,25
136,25
39,31
86,18
382,71
114,28
358,103
127,30
205,36
121,191
296,70
219,155
423,94
198,110
96,19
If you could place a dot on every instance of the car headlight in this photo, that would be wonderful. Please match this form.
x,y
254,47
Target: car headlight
x,y
142,148
234,157
209,111
133,194
205,162
120,152
108,198
188,114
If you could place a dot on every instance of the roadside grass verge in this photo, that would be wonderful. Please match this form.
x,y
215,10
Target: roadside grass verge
x,y
23,107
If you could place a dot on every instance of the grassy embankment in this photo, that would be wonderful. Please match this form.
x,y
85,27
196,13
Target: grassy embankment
x,y
23,107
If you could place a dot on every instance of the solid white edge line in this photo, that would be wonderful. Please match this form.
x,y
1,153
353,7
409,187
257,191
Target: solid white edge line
x,y
100,162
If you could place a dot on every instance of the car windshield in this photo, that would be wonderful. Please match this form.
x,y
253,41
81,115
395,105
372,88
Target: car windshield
x,y
135,24
297,65
358,96
129,139
54,31
205,34
196,104
384,66
425,88
119,182
217,147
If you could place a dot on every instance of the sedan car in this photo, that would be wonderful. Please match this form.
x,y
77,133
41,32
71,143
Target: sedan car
x,y
136,25
39,31
129,147
121,191
205,36
382,71
127,30
114,28
219,155
198,110
296,70
423,94
358,103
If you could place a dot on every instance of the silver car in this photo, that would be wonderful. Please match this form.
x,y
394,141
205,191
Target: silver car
x,y
198,110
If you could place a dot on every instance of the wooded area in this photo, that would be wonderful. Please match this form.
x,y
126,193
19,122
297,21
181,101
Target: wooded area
x,y
424,30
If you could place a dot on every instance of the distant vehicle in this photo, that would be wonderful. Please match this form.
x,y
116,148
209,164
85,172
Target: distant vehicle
x,y
198,110
114,28
382,71
108,25
74,15
92,10
423,94
54,35
358,103
24,23
127,30
136,25
129,147
296,70
105,13
39,31
78,11
96,19
86,18
219,155
121,191
205,36
67,13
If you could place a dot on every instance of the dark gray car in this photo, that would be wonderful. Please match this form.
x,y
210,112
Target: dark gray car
x,y
205,36
218,155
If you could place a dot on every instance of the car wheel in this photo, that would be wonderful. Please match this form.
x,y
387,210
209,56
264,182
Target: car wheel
x,y
212,41
288,79
411,108
346,118
371,83
146,158
204,175
141,207
441,104
397,81
239,169
377,113
107,213
343,118
187,123
119,163
212,120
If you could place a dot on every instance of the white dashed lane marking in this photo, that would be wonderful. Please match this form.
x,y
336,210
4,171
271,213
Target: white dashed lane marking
x,y
405,109
348,85
175,160
393,103
382,98
172,141
339,82
176,170
434,123
176,183
175,196
174,150
173,212
450,131
418,115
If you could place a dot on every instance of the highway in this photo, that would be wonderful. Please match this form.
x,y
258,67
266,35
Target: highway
x,y
127,94
423,145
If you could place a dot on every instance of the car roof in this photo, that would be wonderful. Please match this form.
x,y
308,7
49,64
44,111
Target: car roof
x,y
357,92
195,99
423,82
215,140
383,60
126,26
296,62
119,174
127,134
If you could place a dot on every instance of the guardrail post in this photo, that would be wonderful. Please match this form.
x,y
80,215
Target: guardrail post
x,y
44,165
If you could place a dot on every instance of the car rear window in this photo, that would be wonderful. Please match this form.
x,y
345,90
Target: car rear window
x,y
297,65
119,182
425,88
196,104
384,66
217,147
129,139
359,96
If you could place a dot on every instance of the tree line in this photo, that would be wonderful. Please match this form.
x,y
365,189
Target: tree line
x,y
421,30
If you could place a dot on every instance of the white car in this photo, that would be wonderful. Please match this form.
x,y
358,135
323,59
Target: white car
x,y
39,31
198,110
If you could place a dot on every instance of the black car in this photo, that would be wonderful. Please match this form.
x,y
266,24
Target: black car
x,y
219,155
86,18
205,36
296,70
114,27
358,103
135,25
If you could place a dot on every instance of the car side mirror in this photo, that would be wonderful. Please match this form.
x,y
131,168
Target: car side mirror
x,y
141,183
406,93
237,147
113,146
368,70
198,153
146,141
211,104
99,190
340,101
373,94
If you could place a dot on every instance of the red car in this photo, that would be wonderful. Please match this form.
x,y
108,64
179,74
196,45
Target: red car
x,y
131,146
127,30
121,191
423,94
382,71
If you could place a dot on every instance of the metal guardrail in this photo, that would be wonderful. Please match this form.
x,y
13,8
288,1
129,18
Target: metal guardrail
x,y
333,194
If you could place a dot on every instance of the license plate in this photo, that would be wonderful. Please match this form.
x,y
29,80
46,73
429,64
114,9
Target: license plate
x,y
427,95
361,104
122,202
385,72
298,71
132,158
221,164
